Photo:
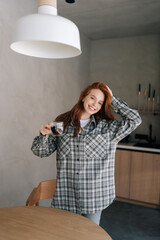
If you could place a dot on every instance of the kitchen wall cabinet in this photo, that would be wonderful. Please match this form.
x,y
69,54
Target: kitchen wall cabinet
x,y
137,176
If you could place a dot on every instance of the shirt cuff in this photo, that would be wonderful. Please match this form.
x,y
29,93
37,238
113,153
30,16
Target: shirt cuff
x,y
50,135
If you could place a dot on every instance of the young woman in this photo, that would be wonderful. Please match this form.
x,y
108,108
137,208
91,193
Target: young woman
x,y
86,150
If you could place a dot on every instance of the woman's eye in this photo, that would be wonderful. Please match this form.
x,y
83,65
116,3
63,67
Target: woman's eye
x,y
92,97
100,103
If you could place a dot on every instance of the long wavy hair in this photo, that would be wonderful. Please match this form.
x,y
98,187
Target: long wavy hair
x,y
75,113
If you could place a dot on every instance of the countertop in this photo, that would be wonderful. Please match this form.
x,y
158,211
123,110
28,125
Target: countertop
x,y
130,146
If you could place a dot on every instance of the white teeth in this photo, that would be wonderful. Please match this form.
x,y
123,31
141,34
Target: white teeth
x,y
92,108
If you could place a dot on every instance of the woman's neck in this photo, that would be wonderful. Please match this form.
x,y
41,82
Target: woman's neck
x,y
85,116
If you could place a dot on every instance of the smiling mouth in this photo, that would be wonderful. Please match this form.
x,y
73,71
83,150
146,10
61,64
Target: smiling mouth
x,y
91,108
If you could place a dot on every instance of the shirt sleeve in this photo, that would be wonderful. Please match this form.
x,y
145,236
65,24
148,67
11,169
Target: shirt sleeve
x,y
130,120
44,145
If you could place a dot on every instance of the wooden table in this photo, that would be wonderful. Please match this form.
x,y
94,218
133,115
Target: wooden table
x,y
43,223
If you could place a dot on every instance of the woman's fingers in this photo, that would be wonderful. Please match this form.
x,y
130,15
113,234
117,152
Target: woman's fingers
x,y
45,129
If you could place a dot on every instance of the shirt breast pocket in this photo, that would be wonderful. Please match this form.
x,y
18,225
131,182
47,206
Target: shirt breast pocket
x,y
95,146
63,147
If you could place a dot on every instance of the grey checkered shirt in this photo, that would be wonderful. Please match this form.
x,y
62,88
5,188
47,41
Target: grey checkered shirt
x,y
85,164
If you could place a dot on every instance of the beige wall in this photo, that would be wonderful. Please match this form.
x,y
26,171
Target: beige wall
x,y
124,63
32,91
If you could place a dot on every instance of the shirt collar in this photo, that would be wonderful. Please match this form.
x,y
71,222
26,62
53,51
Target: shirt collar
x,y
93,120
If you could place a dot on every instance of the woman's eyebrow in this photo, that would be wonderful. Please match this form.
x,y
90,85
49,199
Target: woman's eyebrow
x,y
96,98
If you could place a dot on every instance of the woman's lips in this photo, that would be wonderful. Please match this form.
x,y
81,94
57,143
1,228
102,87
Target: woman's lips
x,y
91,108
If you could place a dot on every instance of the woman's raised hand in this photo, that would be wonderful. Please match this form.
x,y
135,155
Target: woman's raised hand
x,y
45,129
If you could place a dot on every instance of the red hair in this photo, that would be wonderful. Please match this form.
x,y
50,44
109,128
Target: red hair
x,y
75,113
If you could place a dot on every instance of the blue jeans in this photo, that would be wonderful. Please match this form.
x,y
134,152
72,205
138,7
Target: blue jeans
x,y
95,217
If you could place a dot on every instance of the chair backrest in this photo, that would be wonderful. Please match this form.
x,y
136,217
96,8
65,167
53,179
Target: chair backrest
x,y
45,190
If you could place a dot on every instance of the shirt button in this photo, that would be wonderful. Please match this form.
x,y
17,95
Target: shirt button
x,y
78,159
77,173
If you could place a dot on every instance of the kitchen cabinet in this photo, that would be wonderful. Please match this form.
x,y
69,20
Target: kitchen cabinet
x,y
137,176
122,173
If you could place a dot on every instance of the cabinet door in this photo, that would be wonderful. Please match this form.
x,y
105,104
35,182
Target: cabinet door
x,y
122,173
145,177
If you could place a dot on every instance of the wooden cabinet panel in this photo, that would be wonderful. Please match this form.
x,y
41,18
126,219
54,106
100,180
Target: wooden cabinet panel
x,y
137,177
122,173
145,177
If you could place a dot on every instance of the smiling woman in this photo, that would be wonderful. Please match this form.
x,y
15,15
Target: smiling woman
x,y
101,94
92,103
86,150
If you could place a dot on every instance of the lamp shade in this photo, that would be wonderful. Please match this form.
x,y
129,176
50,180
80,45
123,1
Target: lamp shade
x,y
46,36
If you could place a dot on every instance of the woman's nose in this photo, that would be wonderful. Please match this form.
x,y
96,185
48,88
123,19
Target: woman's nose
x,y
95,104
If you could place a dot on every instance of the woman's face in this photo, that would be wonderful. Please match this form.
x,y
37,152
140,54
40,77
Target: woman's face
x,y
92,103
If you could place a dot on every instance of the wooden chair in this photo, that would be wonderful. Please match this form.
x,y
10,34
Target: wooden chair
x,y
45,190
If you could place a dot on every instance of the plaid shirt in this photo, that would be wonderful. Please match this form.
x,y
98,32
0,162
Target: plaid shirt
x,y
85,164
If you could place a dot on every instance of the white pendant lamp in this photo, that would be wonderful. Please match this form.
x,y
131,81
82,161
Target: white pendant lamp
x,y
46,35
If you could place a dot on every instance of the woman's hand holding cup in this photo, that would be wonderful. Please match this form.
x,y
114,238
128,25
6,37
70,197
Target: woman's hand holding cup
x,y
55,128
46,128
